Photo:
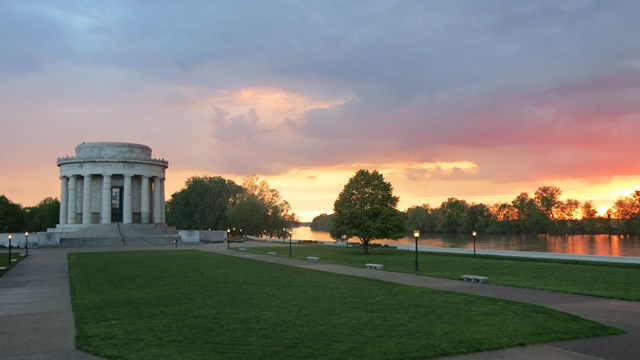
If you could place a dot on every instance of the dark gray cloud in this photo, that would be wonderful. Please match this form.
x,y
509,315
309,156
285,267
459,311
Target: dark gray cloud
x,y
421,77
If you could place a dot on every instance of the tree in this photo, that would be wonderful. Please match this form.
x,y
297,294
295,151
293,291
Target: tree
x,y
478,218
627,211
203,203
588,210
366,209
589,220
11,216
44,215
276,212
451,216
419,218
547,200
322,222
249,216
530,218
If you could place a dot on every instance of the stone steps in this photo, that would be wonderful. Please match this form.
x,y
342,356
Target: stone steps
x,y
115,235
91,242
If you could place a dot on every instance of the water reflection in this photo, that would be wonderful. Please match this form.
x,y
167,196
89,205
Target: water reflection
x,y
605,245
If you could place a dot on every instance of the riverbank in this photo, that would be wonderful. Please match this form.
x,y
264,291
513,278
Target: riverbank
x,y
599,245
507,253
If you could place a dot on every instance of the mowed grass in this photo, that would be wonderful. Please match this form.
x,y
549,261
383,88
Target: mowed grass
x,y
619,281
187,304
4,260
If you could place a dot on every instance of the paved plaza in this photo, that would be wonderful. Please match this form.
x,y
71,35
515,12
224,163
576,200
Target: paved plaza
x,y
36,321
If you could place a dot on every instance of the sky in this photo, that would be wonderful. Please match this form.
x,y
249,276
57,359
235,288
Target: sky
x,y
478,100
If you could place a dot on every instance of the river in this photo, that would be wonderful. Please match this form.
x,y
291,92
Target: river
x,y
603,245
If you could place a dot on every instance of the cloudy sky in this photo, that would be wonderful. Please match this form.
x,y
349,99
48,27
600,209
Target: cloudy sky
x,y
479,100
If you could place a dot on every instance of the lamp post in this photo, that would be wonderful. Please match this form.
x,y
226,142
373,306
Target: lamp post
x,y
284,236
10,237
474,234
416,235
290,234
26,246
344,238
228,238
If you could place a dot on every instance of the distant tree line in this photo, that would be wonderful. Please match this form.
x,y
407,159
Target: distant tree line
x,y
16,218
215,203
542,213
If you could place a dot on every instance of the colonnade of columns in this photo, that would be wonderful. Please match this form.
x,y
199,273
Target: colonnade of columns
x,y
70,208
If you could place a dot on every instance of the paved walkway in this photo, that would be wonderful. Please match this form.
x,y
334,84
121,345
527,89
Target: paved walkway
x,y
36,321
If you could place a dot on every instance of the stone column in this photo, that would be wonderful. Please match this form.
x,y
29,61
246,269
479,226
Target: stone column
x,y
157,218
163,208
127,211
144,200
105,210
71,208
86,200
64,193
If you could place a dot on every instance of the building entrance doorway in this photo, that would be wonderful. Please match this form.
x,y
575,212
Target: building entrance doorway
x,y
116,204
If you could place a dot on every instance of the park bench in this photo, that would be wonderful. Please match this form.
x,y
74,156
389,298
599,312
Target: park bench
x,y
475,278
14,260
2,268
313,258
272,253
375,266
242,249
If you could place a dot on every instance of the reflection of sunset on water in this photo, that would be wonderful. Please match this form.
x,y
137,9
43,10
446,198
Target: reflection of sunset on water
x,y
602,245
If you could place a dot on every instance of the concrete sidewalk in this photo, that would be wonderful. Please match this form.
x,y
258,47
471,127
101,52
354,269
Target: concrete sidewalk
x,y
36,321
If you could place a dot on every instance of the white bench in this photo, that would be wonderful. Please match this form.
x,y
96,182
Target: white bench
x,y
23,255
14,260
2,268
242,249
313,258
375,266
271,253
475,278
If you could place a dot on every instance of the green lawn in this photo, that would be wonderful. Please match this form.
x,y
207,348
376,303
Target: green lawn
x,y
620,281
187,304
4,259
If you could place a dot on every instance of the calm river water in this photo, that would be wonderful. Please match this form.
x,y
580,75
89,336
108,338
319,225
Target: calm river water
x,y
606,245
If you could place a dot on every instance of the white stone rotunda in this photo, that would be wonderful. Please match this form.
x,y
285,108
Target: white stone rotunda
x,y
111,182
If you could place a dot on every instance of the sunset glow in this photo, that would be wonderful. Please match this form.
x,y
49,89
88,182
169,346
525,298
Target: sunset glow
x,y
474,100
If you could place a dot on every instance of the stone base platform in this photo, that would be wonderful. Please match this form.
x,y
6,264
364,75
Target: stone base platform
x,y
116,234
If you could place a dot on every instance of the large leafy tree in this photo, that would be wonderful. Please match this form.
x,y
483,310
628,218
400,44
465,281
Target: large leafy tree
x,y
451,216
11,215
547,199
366,209
203,203
44,215
248,216
269,218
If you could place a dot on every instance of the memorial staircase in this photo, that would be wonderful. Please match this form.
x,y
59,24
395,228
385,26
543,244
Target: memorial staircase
x,y
117,235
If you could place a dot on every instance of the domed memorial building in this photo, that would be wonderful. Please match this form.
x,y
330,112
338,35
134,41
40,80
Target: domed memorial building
x,y
111,182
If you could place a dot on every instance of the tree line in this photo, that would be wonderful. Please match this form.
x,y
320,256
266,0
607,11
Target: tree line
x,y
541,213
215,203
16,218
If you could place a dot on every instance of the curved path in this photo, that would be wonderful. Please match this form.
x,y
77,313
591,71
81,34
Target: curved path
x,y
36,321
